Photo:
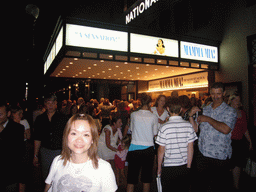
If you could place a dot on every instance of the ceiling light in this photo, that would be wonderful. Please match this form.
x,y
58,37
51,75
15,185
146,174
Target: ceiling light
x,y
71,63
114,74
63,69
103,71
130,75
109,69
110,56
121,72
84,70
80,73
117,66
101,61
129,70
75,59
95,64
76,74
156,69
67,66
125,63
98,73
137,68
138,74
89,67
146,71
147,65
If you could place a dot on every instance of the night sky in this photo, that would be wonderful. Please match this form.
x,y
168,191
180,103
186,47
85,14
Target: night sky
x,y
21,64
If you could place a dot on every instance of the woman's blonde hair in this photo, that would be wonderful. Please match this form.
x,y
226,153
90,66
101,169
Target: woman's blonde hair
x,y
92,152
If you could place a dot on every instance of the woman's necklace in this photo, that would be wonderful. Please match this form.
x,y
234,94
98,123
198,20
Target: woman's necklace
x,y
76,170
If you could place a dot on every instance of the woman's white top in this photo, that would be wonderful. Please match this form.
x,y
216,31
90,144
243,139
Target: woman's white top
x,y
144,126
81,177
103,151
162,117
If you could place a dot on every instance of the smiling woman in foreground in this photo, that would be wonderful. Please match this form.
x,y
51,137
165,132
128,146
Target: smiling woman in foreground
x,y
78,168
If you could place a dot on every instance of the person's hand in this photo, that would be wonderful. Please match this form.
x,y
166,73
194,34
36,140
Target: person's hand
x,y
160,121
194,110
159,171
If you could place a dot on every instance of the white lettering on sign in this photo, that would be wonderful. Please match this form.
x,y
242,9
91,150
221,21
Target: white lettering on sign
x,y
198,52
139,9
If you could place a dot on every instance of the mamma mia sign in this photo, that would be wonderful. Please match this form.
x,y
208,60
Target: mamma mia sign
x,y
138,8
200,52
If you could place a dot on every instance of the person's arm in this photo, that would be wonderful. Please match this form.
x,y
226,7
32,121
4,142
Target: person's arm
x,y
47,187
193,111
219,126
107,139
37,145
160,154
190,154
247,136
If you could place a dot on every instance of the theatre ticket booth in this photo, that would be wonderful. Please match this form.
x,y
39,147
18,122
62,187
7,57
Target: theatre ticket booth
x,y
95,60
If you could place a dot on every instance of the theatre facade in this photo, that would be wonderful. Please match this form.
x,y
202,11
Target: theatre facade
x,y
94,60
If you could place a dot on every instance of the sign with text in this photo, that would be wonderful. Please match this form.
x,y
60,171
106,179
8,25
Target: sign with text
x,y
181,82
153,45
91,37
138,8
198,52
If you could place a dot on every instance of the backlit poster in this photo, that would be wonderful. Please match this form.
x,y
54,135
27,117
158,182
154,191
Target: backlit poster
x,y
153,45
92,37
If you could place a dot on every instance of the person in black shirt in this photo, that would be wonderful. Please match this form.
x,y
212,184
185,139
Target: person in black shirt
x,y
11,150
48,132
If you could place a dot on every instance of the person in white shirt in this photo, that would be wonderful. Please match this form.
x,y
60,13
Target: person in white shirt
x,y
144,125
175,152
159,110
78,168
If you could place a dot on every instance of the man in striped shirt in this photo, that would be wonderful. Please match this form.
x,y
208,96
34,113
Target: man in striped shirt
x,y
175,152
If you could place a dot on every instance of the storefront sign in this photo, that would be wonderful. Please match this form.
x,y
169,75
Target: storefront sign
x,y
198,52
153,45
91,37
183,82
138,8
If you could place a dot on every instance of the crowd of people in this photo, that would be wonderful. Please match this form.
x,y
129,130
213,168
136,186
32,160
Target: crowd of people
x,y
190,143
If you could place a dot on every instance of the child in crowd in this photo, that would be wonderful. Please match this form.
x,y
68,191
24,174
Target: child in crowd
x,y
120,157
175,152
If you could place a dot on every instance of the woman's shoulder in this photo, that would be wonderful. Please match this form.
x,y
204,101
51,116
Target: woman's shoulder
x,y
103,164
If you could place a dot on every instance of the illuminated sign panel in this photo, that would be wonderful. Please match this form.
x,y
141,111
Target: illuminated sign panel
x,y
182,82
138,8
198,52
91,37
54,50
153,45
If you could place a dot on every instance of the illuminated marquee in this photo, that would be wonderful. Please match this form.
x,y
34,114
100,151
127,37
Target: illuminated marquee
x,y
91,37
139,9
198,80
200,52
